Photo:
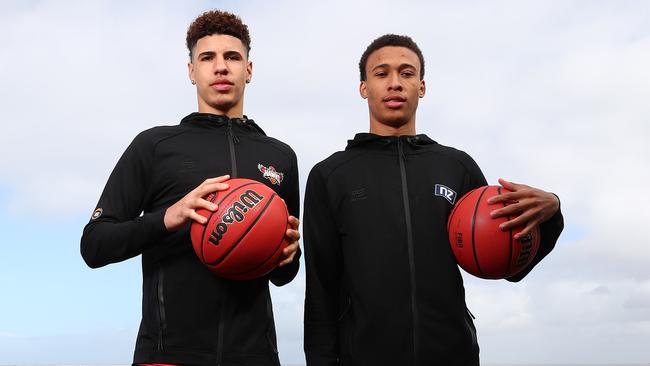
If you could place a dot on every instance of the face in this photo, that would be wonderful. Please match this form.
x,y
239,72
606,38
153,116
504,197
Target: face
x,y
392,86
220,68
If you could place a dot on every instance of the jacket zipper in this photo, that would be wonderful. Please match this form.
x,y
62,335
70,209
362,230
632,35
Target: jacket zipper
x,y
409,238
232,139
162,323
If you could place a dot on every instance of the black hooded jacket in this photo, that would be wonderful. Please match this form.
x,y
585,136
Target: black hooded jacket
x,y
383,286
189,315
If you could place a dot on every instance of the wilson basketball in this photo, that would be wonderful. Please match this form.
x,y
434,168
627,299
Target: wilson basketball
x,y
480,247
245,236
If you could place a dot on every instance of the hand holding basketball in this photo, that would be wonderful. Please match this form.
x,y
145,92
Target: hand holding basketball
x,y
184,210
292,236
531,206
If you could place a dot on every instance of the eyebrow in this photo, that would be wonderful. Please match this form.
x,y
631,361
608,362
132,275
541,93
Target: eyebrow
x,y
212,53
401,67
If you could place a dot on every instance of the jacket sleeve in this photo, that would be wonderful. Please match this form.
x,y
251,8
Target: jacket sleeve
x,y
117,231
549,233
291,195
324,267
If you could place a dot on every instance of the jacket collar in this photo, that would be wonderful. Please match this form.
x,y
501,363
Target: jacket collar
x,y
371,140
210,120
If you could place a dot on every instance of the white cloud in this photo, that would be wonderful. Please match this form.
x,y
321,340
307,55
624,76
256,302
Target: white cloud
x,y
553,94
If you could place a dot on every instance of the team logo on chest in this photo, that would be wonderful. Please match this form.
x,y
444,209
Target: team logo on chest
x,y
445,192
271,174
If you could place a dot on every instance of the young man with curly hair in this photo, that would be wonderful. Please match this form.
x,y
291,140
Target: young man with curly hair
x,y
190,316
383,287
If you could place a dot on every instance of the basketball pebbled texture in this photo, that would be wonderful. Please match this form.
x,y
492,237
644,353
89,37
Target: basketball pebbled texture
x,y
244,238
480,247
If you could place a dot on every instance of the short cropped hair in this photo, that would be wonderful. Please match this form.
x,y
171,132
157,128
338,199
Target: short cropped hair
x,y
217,22
388,40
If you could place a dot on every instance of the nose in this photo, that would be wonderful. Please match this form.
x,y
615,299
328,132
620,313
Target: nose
x,y
394,82
220,66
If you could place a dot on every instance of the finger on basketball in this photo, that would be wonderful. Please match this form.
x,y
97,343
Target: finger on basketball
x,y
212,187
218,179
203,203
525,231
508,210
294,222
511,186
291,248
292,235
520,220
287,260
198,218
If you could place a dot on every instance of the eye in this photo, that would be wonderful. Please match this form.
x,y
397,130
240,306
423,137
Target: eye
x,y
206,58
408,74
380,74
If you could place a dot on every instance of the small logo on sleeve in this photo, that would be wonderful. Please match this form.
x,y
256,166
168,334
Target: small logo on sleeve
x,y
271,174
445,192
98,212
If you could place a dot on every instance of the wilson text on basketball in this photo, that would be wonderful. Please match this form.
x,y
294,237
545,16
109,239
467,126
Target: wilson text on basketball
x,y
235,213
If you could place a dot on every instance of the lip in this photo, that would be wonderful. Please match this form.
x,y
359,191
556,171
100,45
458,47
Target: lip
x,y
221,85
394,101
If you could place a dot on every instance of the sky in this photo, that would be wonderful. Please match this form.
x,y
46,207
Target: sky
x,y
553,94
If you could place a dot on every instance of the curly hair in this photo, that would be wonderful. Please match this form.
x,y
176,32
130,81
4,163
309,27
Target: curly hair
x,y
217,22
390,40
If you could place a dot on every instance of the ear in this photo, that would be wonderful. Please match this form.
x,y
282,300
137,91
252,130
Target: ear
x,y
190,70
362,90
423,89
249,71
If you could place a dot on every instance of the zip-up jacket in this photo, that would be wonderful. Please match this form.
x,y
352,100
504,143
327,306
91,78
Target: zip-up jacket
x,y
383,286
190,316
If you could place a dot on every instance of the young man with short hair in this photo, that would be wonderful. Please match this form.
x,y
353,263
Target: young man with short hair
x,y
190,316
383,286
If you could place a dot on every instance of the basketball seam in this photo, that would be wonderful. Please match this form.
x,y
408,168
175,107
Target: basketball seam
x,y
248,229
478,201
268,258
205,227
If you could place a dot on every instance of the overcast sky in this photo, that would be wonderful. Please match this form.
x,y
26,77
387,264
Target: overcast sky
x,y
555,94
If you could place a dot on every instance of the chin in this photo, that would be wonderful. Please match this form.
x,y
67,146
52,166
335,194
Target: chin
x,y
394,121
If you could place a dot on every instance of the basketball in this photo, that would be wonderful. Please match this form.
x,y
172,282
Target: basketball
x,y
480,247
244,238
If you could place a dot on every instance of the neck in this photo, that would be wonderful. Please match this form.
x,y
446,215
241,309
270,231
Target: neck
x,y
383,129
236,111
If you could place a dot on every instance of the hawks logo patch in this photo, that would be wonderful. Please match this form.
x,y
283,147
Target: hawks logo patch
x,y
271,174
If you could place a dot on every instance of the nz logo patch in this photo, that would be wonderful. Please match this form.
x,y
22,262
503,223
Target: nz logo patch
x,y
271,174
445,192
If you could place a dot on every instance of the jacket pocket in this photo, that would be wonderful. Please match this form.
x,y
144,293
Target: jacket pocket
x,y
160,300
270,328
345,328
470,326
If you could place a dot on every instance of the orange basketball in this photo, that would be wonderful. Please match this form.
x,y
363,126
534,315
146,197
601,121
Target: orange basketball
x,y
480,247
245,236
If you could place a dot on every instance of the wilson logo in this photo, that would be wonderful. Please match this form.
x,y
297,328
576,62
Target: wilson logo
x,y
446,192
526,246
235,213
